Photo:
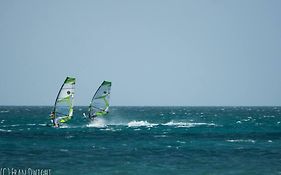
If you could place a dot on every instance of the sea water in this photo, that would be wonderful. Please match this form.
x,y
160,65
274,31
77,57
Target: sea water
x,y
145,140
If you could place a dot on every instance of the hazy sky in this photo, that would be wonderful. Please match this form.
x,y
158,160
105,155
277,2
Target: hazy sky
x,y
155,52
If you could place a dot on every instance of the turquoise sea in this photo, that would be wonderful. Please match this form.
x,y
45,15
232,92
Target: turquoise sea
x,y
144,141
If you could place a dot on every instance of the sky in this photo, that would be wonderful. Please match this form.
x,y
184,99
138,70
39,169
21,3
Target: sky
x,y
155,52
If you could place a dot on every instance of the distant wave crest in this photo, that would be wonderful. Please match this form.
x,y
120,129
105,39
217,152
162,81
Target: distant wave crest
x,y
241,140
171,123
188,124
4,130
141,123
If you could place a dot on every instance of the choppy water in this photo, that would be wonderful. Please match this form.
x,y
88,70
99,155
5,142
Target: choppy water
x,y
145,140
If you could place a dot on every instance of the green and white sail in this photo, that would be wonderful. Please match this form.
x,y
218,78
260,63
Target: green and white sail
x,y
99,105
63,109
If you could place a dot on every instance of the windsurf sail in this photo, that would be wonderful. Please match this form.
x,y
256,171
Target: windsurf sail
x,y
63,108
99,105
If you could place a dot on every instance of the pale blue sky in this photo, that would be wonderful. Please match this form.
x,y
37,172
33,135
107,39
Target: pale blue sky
x,y
156,52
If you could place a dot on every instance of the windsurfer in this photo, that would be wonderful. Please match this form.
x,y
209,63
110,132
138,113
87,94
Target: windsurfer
x,y
54,119
52,116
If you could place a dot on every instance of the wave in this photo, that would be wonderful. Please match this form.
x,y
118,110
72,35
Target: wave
x,y
3,130
141,123
64,126
27,124
97,123
5,111
268,116
171,123
188,124
241,140
15,125
31,124
102,123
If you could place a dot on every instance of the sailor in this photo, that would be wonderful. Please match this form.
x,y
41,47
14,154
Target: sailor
x,y
54,120
52,116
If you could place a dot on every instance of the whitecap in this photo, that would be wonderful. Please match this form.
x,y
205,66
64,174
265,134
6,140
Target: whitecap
x,y
64,150
68,126
187,124
141,123
182,142
4,111
42,124
160,136
69,137
241,140
3,130
97,123
268,116
108,129
31,124
64,126
15,125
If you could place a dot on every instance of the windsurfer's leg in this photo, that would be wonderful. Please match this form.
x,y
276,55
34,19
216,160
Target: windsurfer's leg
x,y
57,121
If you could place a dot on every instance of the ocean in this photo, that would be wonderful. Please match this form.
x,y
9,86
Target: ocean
x,y
144,141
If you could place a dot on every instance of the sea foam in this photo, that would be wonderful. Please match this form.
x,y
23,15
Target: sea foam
x,y
97,123
241,140
141,123
135,123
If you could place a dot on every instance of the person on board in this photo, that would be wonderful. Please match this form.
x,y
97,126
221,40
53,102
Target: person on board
x,y
52,116
54,120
